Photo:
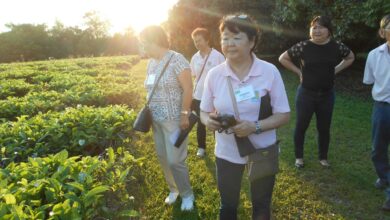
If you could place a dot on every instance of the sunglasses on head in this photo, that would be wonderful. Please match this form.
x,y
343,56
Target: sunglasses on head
x,y
241,16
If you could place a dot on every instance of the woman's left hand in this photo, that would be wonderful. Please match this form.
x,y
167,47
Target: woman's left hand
x,y
244,128
184,122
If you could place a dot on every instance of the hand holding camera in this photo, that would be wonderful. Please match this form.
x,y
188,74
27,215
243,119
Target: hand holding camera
x,y
244,128
224,122
221,122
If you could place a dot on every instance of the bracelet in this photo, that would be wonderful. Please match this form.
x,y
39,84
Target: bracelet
x,y
185,112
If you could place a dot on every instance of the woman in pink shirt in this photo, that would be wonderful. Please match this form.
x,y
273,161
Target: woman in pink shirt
x,y
251,78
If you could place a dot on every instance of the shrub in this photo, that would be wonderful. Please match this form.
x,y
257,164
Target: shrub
x,y
62,187
83,130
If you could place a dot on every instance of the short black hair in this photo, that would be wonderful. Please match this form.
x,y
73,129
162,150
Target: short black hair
x,y
323,21
385,21
155,34
241,23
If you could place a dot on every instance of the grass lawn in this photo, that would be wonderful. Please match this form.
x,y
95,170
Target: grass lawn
x,y
344,191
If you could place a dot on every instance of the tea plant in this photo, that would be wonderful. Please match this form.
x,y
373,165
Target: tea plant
x,y
30,88
83,130
62,187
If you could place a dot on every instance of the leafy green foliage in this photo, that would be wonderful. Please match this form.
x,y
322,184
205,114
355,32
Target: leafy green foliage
x,y
81,131
354,21
30,88
62,187
65,107
283,22
14,87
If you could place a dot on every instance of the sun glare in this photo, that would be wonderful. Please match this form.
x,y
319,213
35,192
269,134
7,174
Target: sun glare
x,y
137,14
121,14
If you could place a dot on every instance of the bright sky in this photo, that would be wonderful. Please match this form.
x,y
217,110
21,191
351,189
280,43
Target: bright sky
x,y
120,13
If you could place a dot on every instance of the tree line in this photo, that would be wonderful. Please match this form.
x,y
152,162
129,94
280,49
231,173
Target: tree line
x,y
283,23
27,42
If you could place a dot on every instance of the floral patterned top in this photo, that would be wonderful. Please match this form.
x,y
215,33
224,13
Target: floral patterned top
x,y
167,99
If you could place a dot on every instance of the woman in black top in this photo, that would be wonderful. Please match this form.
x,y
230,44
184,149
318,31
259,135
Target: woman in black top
x,y
320,58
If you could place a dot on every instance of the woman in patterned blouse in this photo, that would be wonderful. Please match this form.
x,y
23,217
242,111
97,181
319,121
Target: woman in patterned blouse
x,y
320,58
170,107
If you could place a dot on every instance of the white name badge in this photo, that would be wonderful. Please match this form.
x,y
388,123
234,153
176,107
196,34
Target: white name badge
x,y
151,79
244,93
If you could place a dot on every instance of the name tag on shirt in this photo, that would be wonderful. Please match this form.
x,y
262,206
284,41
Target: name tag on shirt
x,y
244,93
151,79
256,99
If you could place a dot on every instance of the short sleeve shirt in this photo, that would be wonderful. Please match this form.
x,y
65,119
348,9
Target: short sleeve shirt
x,y
377,72
318,62
263,77
197,61
166,102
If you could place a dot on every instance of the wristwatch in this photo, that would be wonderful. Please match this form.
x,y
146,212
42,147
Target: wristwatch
x,y
258,127
185,112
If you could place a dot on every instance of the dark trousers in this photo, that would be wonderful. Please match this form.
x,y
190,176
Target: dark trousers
x,y
308,103
229,177
201,128
381,139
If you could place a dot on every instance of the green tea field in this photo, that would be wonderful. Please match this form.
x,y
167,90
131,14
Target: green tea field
x,y
68,151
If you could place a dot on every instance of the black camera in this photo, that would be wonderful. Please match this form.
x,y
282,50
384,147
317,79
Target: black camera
x,y
245,146
226,121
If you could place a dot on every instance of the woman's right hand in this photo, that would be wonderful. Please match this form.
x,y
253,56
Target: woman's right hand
x,y
211,122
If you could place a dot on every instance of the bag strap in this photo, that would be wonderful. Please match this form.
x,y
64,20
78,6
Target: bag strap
x,y
265,104
158,80
229,80
201,71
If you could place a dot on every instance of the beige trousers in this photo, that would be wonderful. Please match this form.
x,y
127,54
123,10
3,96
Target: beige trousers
x,y
172,159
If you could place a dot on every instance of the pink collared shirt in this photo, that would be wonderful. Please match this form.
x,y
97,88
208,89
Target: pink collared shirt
x,y
263,77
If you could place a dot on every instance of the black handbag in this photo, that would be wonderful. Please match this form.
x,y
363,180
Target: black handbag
x,y
143,122
144,119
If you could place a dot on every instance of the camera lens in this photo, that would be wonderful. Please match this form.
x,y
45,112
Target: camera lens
x,y
224,124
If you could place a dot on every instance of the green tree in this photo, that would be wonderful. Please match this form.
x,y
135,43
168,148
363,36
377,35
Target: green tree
x,y
64,40
354,21
24,42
